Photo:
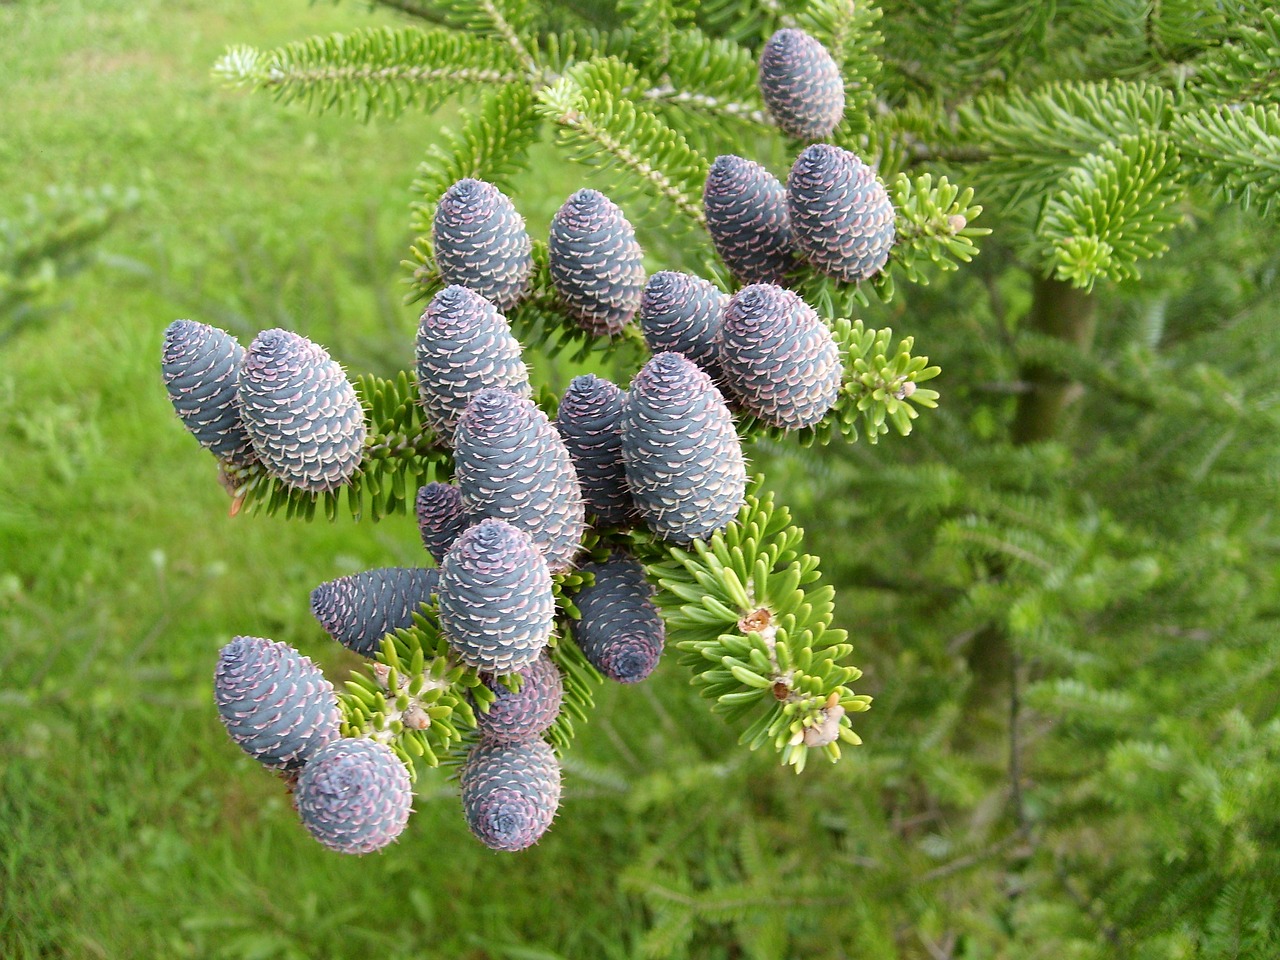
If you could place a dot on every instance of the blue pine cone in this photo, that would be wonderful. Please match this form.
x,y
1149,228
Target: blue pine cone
x,y
303,416
440,517
801,85
496,604
511,464
746,211
274,702
779,358
201,369
621,632
588,420
684,464
480,242
841,214
681,313
596,262
354,796
464,346
359,610
510,792
528,712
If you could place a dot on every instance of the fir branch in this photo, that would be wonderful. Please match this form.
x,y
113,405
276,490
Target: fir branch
x,y
1237,149
1246,68
371,71
934,225
713,78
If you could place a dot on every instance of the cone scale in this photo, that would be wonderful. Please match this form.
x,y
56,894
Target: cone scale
x,y
510,792
588,420
746,211
200,365
359,610
354,796
620,632
801,85
480,242
596,263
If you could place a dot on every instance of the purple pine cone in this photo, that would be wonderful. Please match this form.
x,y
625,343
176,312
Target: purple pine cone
x,y
530,711
305,421
621,631
596,264
588,422
681,313
201,369
801,85
274,701
746,210
440,517
496,604
510,792
779,358
464,346
480,242
359,610
841,214
684,464
354,796
512,464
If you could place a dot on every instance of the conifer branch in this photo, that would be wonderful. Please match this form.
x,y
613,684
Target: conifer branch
x,y
1237,150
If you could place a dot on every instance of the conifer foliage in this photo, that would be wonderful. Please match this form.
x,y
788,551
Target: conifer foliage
x,y
730,269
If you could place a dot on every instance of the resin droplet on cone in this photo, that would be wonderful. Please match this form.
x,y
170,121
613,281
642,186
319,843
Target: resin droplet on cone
x,y
779,358
480,242
684,463
746,211
588,420
359,610
620,632
510,792
801,85
596,263
201,369
274,702
841,215
354,796
464,346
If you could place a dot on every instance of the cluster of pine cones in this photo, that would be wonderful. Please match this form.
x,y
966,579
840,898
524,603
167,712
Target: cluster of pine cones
x,y
663,453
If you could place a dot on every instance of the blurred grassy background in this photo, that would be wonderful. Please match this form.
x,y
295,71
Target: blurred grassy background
x,y
130,825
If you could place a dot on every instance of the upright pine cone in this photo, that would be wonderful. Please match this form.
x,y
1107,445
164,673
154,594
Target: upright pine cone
x,y
464,346
512,464
681,313
354,796
596,263
510,792
359,610
496,604
440,517
480,242
746,211
201,369
621,632
841,214
525,713
305,421
778,357
801,85
588,422
274,701
684,464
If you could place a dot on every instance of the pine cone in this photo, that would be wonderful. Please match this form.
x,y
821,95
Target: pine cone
x,y
496,604
512,464
440,517
621,632
681,313
530,711
305,421
354,796
596,264
480,242
684,464
801,85
779,358
274,701
510,792
359,610
588,422
201,368
841,214
464,346
746,211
